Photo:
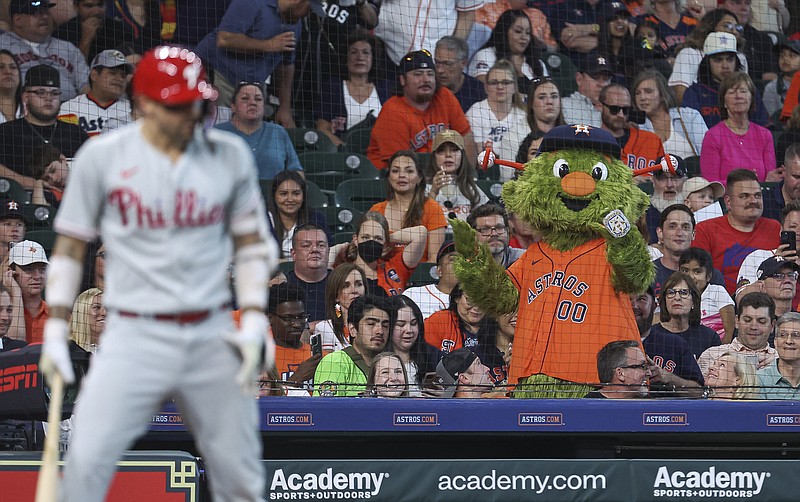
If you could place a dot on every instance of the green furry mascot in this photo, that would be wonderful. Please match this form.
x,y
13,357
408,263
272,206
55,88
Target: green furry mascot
x,y
571,288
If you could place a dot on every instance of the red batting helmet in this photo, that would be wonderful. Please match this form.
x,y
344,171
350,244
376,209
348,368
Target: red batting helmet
x,y
172,76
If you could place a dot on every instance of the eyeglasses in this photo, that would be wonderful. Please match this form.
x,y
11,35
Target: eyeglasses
x,y
783,335
683,293
499,83
43,93
640,366
787,275
293,319
487,231
614,110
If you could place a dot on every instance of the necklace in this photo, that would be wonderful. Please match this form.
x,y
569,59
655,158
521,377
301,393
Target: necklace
x,y
52,133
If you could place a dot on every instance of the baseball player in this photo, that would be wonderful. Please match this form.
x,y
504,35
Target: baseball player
x,y
172,203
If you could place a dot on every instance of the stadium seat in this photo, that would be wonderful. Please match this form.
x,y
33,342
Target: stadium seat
x,y
342,237
37,216
359,194
424,274
492,189
562,71
424,158
491,173
44,236
357,140
310,140
11,189
340,219
316,197
286,266
327,170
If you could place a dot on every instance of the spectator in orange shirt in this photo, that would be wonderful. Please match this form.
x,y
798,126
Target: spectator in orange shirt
x,y
461,325
412,119
640,149
28,263
407,205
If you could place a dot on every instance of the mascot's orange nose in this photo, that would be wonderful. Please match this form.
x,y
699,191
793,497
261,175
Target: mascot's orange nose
x,y
578,184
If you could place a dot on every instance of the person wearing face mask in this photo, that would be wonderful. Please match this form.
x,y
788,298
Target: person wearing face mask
x,y
387,260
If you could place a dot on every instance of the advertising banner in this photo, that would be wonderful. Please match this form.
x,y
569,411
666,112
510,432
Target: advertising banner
x,y
534,480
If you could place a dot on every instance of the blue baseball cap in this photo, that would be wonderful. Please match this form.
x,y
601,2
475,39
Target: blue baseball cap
x,y
582,137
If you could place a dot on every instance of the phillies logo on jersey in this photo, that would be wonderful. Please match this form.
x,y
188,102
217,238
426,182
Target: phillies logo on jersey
x,y
189,210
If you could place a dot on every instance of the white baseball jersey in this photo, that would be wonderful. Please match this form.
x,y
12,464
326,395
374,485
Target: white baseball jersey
x,y
92,118
428,298
165,226
60,54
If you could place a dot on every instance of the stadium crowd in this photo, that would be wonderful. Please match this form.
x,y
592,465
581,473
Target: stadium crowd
x,y
332,95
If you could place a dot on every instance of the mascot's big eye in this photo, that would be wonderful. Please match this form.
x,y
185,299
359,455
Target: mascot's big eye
x,y
599,171
560,168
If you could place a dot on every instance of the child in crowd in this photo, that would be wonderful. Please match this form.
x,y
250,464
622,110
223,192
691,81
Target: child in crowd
x,y
716,305
789,63
701,197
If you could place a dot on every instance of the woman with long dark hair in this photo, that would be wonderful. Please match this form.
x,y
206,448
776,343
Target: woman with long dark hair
x,y
10,87
407,205
511,40
407,340
452,177
288,209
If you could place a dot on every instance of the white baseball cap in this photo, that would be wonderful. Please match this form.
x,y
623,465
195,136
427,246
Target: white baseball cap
x,y
698,183
718,42
27,252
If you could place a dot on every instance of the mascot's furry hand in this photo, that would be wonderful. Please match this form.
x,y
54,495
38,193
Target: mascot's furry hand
x,y
483,280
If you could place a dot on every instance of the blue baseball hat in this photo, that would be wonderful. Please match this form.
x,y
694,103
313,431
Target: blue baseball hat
x,y
582,137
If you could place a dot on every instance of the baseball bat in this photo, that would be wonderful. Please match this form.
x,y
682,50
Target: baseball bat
x,y
47,484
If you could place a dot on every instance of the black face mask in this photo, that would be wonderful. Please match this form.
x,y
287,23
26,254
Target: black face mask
x,y
370,251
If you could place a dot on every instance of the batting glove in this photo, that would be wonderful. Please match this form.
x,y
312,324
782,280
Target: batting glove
x,y
251,339
55,352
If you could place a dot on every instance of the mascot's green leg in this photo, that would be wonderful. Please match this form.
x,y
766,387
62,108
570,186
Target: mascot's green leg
x,y
547,387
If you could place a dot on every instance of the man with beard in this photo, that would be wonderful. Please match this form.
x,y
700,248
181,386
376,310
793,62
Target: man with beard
x,y
91,31
344,372
19,138
671,364
310,256
491,227
640,149
105,106
288,319
731,237
667,190
623,371
411,120
31,42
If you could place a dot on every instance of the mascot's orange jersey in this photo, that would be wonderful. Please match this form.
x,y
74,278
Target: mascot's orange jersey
x,y
568,311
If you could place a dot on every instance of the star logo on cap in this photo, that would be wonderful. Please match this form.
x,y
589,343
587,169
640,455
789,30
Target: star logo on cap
x,y
723,40
581,128
12,206
32,250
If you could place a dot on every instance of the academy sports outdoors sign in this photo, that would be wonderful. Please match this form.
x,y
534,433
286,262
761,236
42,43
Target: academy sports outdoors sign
x,y
536,480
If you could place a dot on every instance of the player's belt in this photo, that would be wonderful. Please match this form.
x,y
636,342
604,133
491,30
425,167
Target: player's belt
x,y
191,317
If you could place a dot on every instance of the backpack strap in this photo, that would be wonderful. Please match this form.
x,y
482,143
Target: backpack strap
x,y
357,359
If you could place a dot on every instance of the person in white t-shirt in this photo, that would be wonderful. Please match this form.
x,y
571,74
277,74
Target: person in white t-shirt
x,y
502,112
716,305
